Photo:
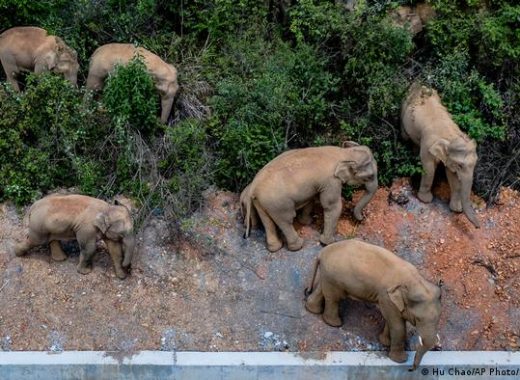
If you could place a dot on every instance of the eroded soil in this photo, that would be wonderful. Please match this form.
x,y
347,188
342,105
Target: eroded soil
x,y
209,289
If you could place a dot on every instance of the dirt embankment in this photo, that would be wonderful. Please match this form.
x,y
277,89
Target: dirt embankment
x,y
211,290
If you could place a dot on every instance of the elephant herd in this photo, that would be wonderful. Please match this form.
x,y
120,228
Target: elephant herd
x,y
284,189
28,48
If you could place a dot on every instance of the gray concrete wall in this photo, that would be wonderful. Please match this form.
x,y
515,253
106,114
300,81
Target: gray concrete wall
x,y
254,365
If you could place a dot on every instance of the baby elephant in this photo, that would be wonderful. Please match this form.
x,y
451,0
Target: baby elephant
x,y
366,272
293,180
86,219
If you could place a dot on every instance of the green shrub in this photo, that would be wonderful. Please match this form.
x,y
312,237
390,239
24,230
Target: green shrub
x,y
271,97
131,98
42,132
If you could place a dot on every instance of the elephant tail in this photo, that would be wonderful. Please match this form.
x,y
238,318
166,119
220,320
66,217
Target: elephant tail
x,y
310,288
247,217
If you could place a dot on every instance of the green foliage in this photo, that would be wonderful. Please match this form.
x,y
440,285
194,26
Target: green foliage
x,y
257,78
41,132
271,96
187,165
131,98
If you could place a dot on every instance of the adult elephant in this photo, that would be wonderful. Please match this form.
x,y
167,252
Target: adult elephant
x,y
428,124
291,182
86,219
27,48
366,272
164,75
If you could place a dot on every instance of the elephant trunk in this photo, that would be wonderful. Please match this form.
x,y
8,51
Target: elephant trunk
x,y
72,77
128,249
371,188
466,204
426,343
418,356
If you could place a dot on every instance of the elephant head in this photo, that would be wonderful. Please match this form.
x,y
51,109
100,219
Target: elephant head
x,y
358,167
115,223
420,304
167,85
460,157
64,60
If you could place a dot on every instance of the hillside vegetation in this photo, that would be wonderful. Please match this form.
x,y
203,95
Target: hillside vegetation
x,y
257,77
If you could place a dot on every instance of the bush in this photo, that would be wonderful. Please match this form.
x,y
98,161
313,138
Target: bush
x,y
42,132
131,98
270,97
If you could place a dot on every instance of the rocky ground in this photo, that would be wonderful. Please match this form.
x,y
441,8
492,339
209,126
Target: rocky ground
x,y
209,289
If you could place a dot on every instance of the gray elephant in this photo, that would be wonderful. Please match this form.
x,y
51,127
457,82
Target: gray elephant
x,y
164,75
291,181
27,48
86,219
366,272
428,124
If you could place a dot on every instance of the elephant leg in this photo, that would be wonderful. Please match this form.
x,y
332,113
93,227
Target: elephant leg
x,y
304,215
273,241
455,197
384,337
429,166
32,240
87,245
397,339
94,82
116,253
331,211
332,298
315,301
284,220
11,71
57,253
166,107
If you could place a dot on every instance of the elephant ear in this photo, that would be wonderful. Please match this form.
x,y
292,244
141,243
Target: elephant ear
x,y
101,222
349,144
439,149
344,170
396,296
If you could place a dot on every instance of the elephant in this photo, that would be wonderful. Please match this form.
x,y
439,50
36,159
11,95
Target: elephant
x,y
429,125
412,17
291,181
67,216
164,75
367,272
28,48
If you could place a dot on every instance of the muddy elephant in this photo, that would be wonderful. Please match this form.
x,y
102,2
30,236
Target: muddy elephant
x,y
366,272
429,125
27,48
291,181
65,217
164,75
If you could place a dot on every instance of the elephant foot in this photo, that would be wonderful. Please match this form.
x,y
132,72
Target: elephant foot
x,y
384,339
19,251
398,356
84,269
273,247
425,196
456,206
304,220
326,240
58,256
314,307
121,274
334,321
297,245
